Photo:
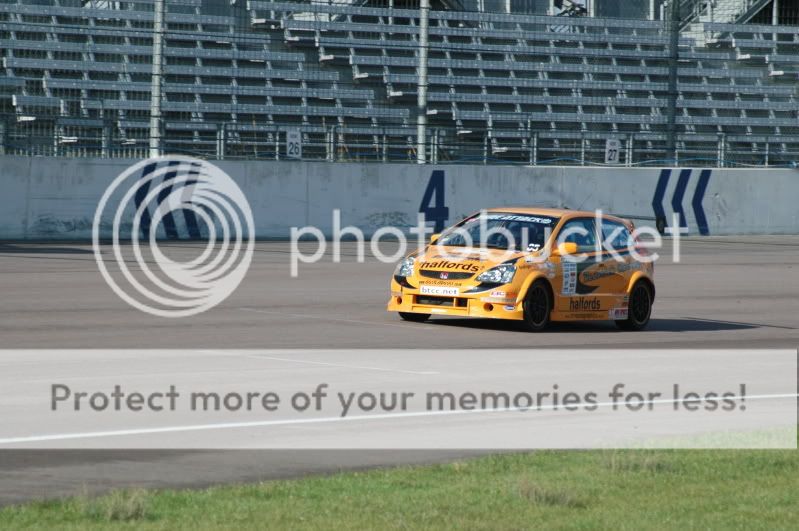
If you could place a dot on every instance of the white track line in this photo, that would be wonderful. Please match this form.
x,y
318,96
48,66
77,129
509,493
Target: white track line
x,y
327,420
323,363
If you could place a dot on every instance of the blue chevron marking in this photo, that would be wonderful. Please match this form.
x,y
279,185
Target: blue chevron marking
x,y
660,193
679,194
699,196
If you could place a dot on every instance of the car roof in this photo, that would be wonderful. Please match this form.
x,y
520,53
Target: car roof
x,y
563,213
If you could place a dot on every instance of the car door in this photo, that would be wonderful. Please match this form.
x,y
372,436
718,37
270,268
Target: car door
x,y
617,263
574,295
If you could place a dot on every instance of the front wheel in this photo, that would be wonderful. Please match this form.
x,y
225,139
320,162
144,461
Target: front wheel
x,y
414,317
640,308
537,307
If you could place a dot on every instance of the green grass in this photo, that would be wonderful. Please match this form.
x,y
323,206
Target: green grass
x,y
633,489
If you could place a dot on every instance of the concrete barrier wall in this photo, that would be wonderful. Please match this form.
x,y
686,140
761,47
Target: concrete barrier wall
x,y
48,198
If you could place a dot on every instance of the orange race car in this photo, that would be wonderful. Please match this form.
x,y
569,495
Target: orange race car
x,y
533,265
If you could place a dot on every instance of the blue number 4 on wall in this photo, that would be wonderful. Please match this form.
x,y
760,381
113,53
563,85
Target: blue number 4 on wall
x,y
438,211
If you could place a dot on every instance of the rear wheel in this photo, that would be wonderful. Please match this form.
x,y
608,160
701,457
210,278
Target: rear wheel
x,y
640,308
414,317
537,307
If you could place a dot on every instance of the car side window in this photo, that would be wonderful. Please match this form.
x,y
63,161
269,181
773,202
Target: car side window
x,y
616,235
579,231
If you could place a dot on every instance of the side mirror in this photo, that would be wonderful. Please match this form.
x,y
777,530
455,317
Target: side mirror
x,y
434,238
566,249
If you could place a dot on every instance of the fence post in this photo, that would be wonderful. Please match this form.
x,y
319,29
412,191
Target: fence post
x,y
221,133
421,87
105,141
582,149
530,140
767,152
630,149
672,27
156,84
57,135
329,144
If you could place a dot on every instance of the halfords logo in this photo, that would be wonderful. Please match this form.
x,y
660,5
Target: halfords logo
x,y
583,304
444,264
597,275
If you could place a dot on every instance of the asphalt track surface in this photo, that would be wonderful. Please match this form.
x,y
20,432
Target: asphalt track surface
x,y
727,292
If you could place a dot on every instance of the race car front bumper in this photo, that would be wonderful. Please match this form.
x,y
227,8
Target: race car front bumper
x,y
497,303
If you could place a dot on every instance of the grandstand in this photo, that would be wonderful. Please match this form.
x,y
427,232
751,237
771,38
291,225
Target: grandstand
x,y
506,81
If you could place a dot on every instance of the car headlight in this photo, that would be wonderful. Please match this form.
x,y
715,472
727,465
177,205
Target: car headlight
x,y
405,268
502,274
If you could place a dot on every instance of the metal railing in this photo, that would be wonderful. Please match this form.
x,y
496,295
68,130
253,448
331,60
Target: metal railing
x,y
47,136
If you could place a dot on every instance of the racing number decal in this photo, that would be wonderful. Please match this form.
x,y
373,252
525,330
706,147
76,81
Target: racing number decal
x,y
438,213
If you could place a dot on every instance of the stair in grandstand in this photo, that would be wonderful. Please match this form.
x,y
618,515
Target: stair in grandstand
x,y
568,8
311,14
100,4
696,15
321,34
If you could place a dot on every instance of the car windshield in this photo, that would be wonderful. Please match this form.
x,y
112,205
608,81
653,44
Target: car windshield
x,y
506,231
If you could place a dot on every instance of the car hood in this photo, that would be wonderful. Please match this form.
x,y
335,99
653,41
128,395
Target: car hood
x,y
462,260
